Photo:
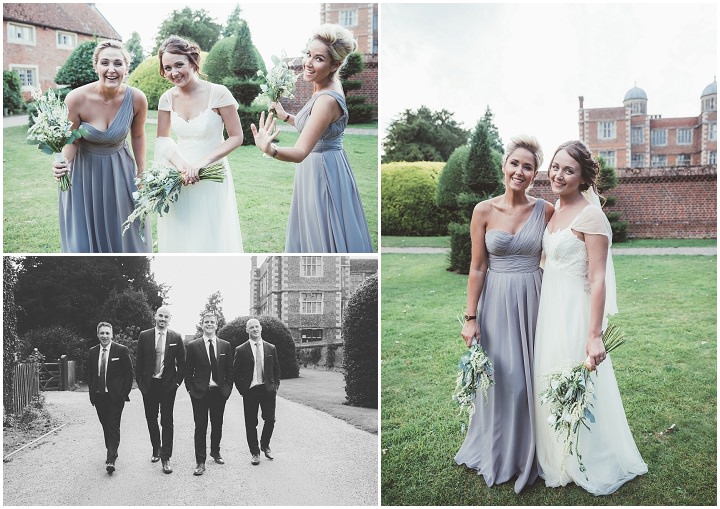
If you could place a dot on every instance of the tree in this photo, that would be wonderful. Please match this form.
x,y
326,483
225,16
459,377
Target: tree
x,y
78,68
12,92
137,54
608,180
242,81
482,175
358,111
360,338
196,26
233,22
423,135
493,133
214,305
10,339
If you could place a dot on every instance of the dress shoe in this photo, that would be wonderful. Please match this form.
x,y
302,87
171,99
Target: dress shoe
x,y
155,458
166,468
268,453
110,467
199,469
255,459
218,459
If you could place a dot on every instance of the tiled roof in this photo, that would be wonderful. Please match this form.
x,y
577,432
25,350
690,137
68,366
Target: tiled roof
x,y
78,18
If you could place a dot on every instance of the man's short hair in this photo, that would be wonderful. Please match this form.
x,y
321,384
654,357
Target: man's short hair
x,y
103,324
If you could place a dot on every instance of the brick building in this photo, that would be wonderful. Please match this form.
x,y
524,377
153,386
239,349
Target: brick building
x,y
39,38
308,293
362,20
629,137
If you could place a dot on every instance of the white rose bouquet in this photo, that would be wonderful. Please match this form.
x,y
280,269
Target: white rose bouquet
x,y
279,81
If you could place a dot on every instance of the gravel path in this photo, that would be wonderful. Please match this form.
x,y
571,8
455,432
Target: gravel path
x,y
319,460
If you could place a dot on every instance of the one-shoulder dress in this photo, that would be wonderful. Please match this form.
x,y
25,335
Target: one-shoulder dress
x,y
100,198
326,214
500,441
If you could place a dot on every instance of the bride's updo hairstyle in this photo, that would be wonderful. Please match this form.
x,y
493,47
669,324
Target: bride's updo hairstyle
x,y
530,144
339,42
110,43
179,46
589,167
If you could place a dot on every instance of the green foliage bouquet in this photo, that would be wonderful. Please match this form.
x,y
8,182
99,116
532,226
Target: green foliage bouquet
x,y
159,186
475,372
569,395
279,81
52,129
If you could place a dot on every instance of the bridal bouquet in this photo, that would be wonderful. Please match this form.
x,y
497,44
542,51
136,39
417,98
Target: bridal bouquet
x,y
569,395
475,372
159,186
279,81
52,129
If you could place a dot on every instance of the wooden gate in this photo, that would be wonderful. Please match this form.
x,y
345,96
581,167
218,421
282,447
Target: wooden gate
x,y
26,385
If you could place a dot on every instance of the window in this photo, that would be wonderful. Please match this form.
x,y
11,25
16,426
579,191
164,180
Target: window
x,y
28,75
658,136
609,157
311,266
638,135
263,285
684,136
311,303
712,157
311,335
712,131
606,130
637,108
66,40
21,34
637,160
683,160
349,18
659,161
710,104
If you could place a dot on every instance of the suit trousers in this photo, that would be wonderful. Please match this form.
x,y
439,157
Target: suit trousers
x,y
109,412
158,399
254,398
212,404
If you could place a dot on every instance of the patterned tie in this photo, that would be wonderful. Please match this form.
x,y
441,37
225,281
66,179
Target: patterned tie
x,y
258,363
213,363
103,364
158,354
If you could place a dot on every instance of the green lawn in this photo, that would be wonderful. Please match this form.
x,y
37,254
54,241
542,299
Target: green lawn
x,y
666,372
388,241
263,187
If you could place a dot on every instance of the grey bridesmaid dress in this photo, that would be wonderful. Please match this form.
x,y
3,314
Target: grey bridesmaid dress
x,y
100,199
326,214
500,442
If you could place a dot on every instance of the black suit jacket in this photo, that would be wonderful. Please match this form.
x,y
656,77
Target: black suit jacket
x,y
197,367
118,373
244,366
174,361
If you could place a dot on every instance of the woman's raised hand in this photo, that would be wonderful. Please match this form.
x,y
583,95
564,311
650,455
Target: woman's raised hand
x,y
265,132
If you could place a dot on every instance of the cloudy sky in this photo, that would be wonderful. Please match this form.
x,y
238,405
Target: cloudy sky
x,y
274,27
530,62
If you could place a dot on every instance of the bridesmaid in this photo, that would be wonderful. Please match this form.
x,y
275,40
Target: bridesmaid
x,y
101,166
326,214
502,301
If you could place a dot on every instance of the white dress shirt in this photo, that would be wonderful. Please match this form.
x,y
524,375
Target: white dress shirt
x,y
255,351
207,342
162,349
107,360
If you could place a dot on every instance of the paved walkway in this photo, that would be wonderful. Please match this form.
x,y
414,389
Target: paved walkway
x,y
701,251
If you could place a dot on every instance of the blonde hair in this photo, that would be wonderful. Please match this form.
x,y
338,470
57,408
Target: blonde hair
x,y
339,41
529,143
110,43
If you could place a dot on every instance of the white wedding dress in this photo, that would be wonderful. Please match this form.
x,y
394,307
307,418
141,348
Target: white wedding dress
x,y
205,217
608,450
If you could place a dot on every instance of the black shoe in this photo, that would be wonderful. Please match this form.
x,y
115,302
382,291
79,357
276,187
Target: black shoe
x,y
155,458
166,468
199,469
268,453
110,467
255,459
218,458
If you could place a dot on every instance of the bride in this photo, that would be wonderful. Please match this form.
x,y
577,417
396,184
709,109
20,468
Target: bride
x,y
205,217
578,292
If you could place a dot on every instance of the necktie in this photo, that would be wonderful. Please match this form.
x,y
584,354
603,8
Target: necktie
x,y
158,354
213,363
258,363
103,364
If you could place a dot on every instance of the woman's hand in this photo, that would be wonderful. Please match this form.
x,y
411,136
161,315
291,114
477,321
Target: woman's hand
x,y
469,331
595,350
60,169
191,174
279,110
265,133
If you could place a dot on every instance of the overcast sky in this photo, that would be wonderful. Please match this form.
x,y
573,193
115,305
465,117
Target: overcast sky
x,y
530,62
274,27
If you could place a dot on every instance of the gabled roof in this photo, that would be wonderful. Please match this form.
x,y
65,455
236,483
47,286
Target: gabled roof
x,y
79,18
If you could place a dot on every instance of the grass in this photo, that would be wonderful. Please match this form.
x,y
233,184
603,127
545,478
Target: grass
x,y
666,372
388,241
263,188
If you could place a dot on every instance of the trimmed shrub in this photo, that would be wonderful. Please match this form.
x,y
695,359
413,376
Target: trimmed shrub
x,y
309,355
13,100
78,68
358,111
408,200
460,248
249,115
53,342
360,337
244,91
146,77
274,332
452,179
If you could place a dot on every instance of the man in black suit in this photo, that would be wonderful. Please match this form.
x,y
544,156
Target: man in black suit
x,y
208,379
110,377
257,378
159,369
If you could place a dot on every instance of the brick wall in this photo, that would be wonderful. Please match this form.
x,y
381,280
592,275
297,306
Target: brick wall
x,y
660,202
